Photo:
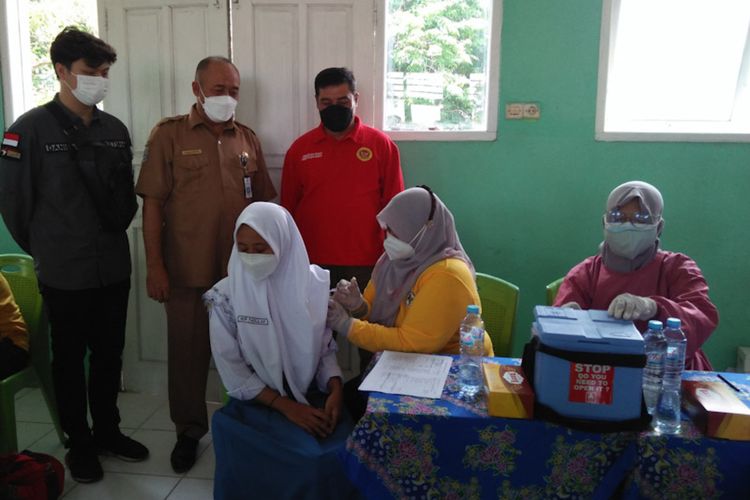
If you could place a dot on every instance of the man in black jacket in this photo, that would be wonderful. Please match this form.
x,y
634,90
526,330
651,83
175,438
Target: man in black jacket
x,y
56,214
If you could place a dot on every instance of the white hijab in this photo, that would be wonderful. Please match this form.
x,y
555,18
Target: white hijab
x,y
283,316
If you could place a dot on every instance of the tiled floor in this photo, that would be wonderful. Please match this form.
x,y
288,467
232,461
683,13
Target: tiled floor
x,y
146,419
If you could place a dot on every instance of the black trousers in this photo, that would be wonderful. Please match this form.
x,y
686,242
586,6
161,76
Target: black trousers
x,y
81,321
13,359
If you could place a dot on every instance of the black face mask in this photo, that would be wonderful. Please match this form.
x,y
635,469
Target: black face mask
x,y
336,118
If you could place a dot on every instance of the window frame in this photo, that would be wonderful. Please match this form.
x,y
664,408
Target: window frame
x,y
15,53
608,34
493,87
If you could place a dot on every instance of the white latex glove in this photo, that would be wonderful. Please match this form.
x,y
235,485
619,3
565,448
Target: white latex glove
x,y
571,305
337,318
632,307
348,295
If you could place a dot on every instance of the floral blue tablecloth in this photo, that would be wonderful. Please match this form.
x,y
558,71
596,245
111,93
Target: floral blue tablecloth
x,y
691,465
406,447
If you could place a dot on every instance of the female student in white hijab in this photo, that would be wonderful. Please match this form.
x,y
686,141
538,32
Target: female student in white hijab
x,y
277,360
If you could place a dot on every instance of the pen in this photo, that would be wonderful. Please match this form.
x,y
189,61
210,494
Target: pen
x,y
728,383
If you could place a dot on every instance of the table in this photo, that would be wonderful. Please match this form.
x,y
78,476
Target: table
x,y
691,465
406,447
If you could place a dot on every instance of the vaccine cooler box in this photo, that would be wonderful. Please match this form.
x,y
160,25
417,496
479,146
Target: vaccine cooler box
x,y
588,365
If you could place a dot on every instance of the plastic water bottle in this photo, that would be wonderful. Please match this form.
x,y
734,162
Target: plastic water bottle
x,y
668,408
471,380
655,347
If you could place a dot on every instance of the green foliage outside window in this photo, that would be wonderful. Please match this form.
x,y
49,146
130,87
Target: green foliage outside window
x,y
47,18
447,39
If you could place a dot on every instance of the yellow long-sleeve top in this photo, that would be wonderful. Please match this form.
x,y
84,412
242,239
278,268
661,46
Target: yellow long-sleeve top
x,y
428,318
12,325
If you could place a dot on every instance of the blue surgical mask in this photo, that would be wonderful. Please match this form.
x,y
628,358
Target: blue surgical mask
x,y
629,240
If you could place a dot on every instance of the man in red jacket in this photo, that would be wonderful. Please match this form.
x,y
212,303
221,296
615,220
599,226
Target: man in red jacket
x,y
336,179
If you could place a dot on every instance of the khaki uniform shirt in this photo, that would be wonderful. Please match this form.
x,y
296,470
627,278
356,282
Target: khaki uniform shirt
x,y
199,179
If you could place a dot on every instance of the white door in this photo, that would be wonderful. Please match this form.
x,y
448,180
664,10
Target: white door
x,y
279,46
158,43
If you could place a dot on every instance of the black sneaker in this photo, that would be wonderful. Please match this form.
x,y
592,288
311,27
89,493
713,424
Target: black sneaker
x,y
183,454
122,447
83,464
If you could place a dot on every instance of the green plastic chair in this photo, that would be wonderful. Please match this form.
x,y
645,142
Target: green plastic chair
x,y
499,303
18,270
552,289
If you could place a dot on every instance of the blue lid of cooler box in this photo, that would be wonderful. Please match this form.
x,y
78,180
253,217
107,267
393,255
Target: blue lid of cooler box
x,y
588,331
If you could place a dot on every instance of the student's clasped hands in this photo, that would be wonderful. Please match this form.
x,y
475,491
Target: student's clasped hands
x,y
319,423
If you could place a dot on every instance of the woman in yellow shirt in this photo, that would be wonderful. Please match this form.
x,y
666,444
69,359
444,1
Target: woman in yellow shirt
x,y
420,286
14,337
419,290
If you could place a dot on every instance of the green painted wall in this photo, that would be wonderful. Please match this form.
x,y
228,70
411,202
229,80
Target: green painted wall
x,y
6,242
528,206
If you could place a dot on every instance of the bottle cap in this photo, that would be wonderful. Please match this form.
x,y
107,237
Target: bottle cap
x,y
655,324
673,323
472,309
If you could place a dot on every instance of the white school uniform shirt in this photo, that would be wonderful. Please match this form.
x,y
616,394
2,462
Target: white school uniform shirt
x,y
263,331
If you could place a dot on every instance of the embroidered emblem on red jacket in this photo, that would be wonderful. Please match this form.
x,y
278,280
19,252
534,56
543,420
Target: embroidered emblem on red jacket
x,y
364,154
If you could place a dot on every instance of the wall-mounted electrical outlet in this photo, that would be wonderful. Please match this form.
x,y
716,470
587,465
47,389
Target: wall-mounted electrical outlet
x,y
531,111
514,111
522,111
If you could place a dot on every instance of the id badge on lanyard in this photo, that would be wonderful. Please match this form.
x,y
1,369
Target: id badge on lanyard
x,y
246,182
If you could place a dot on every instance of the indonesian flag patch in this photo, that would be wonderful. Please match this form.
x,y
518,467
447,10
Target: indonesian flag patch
x,y
11,139
9,147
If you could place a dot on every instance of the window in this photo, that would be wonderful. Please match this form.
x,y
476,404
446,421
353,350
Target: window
x,y
440,63
29,27
674,70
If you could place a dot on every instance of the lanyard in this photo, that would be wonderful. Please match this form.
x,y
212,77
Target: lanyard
x,y
246,177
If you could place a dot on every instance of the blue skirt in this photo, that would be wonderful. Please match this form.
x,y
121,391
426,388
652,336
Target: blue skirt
x,y
260,454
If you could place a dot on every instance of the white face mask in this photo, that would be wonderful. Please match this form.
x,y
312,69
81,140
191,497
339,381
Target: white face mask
x,y
397,249
90,90
259,265
219,108
629,240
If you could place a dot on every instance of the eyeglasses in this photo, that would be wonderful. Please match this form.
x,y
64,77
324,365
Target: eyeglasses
x,y
634,218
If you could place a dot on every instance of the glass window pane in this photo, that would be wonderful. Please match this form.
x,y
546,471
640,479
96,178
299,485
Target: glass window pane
x,y
437,64
47,18
677,60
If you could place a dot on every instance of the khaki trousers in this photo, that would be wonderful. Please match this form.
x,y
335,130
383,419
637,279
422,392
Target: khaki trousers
x,y
189,352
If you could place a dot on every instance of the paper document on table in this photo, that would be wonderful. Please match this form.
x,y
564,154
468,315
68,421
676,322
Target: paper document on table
x,y
421,375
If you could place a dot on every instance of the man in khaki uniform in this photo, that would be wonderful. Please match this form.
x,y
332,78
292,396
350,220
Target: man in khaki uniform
x,y
199,172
